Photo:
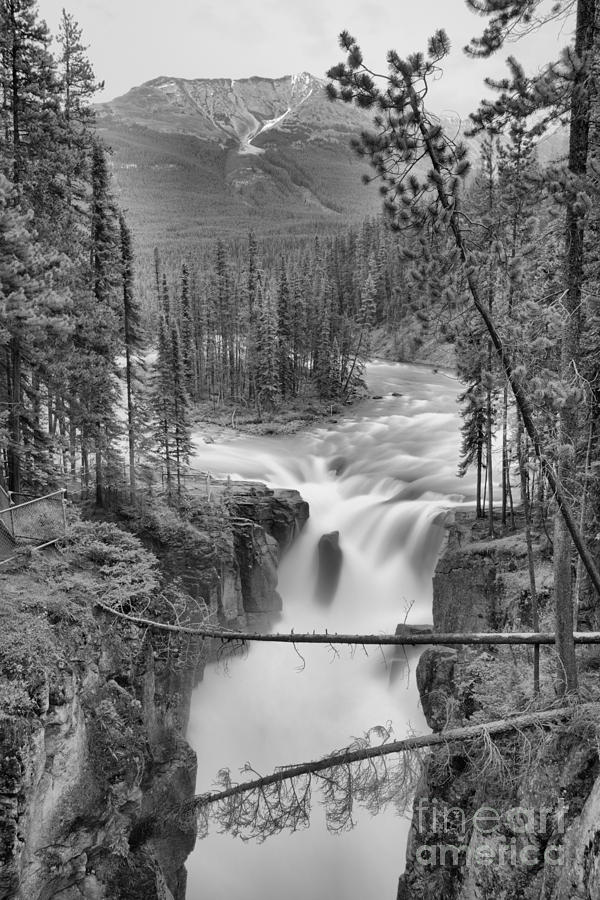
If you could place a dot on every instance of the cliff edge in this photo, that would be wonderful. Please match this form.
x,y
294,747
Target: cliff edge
x,y
94,710
518,817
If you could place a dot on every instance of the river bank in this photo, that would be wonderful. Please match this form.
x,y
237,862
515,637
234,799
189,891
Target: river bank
x,y
217,421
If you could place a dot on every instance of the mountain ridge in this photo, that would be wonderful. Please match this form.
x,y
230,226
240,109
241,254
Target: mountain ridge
x,y
198,158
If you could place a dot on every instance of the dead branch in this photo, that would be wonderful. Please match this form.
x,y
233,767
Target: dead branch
x,y
348,757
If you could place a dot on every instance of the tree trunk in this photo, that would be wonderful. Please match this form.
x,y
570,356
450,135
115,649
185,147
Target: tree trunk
x,y
404,639
563,604
130,416
535,621
479,511
341,758
568,418
505,472
582,515
490,470
99,469
15,447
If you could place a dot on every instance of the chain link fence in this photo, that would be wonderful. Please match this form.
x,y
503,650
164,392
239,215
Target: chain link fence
x,y
34,523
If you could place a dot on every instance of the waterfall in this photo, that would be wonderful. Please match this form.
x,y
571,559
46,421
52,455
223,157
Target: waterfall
x,y
382,478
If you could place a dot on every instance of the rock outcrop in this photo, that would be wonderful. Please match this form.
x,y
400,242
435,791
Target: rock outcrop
x,y
227,549
329,567
482,585
82,779
94,765
435,680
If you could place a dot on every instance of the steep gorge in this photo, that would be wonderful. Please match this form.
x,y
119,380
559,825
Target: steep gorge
x,y
95,755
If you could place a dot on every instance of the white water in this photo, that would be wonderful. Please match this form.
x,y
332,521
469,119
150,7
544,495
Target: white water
x,y
382,478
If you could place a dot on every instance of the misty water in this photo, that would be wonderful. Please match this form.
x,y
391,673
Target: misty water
x,y
384,476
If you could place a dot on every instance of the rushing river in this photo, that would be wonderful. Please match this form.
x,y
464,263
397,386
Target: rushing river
x,y
382,477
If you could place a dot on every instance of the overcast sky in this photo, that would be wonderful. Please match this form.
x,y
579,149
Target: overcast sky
x,y
132,41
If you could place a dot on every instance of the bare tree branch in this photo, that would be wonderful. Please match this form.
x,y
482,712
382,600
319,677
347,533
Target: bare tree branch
x,y
361,773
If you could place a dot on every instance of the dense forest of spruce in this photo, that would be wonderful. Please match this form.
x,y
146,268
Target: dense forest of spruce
x,y
84,336
103,359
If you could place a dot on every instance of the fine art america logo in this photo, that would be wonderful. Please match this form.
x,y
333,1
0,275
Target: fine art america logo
x,y
519,836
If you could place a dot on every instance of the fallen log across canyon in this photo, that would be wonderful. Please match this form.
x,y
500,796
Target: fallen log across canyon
x,y
405,638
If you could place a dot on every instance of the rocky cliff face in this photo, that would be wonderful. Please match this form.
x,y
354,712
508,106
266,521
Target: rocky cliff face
x,y
94,756
79,781
228,548
539,794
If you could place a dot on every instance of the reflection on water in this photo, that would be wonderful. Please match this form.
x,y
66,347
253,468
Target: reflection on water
x,y
382,478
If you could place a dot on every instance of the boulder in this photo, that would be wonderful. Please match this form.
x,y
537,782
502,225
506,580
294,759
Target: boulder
x,y
435,680
408,631
330,558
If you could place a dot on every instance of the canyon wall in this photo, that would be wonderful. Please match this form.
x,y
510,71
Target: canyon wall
x,y
92,776
520,819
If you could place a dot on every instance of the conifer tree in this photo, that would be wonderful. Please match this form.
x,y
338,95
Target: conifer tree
x,y
28,88
61,349
76,88
284,335
406,130
267,376
516,211
162,398
180,424
576,71
365,320
32,314
473,431
322,367
187,333
133,339
104,329
252,280
76,76
298,328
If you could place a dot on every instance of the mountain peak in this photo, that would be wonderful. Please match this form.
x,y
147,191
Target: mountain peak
x,y
295,79
198,153
225,110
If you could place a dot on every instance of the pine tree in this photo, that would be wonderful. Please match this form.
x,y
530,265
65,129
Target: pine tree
x,y
284,335
32,314
365,321
267,376
162,399
252,281
133,340
473,431
322,366
179,405
29,93
187,334
409,132
77,87
298,326
77,82
576,70
104,330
